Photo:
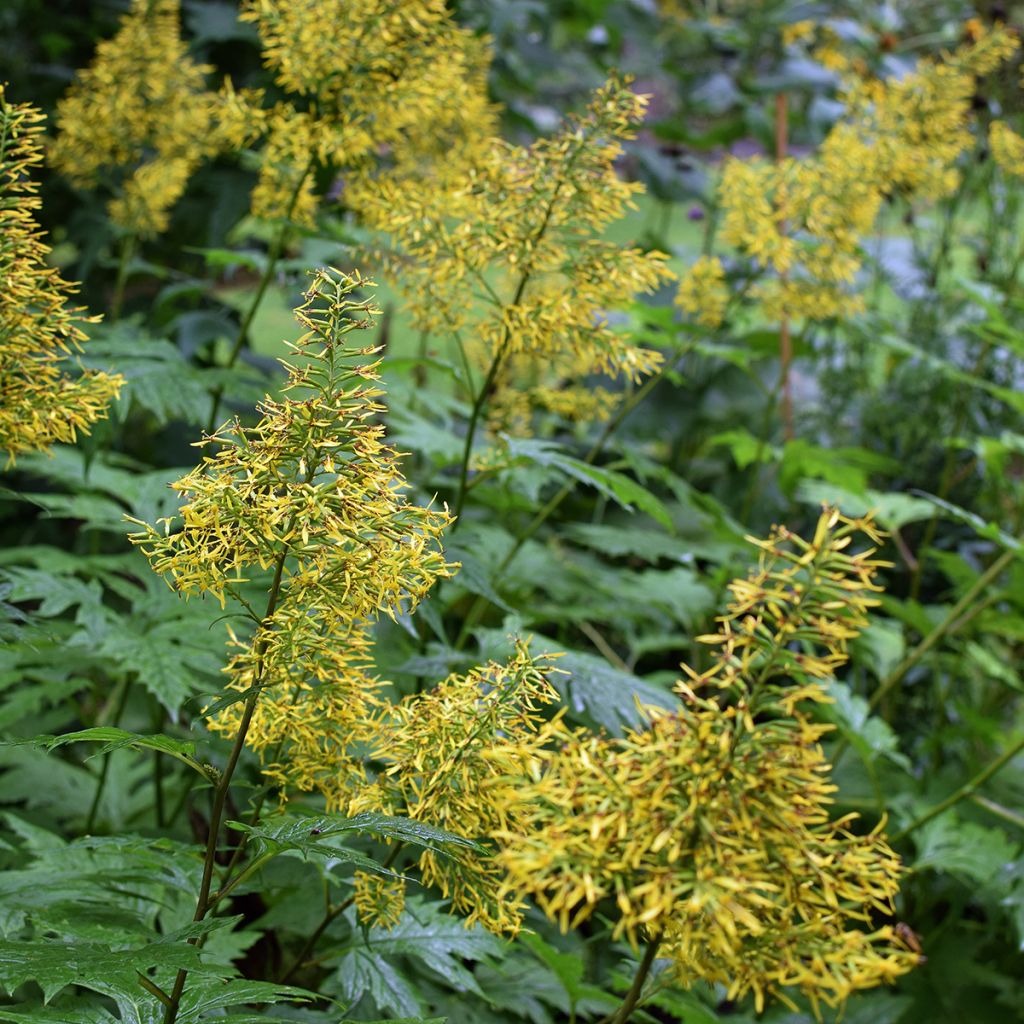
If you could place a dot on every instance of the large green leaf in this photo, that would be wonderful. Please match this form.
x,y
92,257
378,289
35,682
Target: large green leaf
x,y
425,934
317,835
112,738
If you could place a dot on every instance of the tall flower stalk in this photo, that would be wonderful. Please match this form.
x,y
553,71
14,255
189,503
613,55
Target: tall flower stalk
x,y
312,496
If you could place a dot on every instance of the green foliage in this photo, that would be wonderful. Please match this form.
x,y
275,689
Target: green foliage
x,y
608,542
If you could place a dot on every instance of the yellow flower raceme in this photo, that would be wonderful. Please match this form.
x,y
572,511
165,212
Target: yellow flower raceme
x,y
1007,148
373,82
40,402
708,831
141,111
313,494
445,749
703,292
804,220
379,899
510,248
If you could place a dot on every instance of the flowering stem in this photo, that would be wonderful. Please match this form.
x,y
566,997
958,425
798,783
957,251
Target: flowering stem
x,y
127,252
966,790
474,418
629,1004
273,255
220,794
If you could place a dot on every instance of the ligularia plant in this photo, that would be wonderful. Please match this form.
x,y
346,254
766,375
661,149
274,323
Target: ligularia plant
x,y
512,254
708,830
41,404
312,497
804,220
139,115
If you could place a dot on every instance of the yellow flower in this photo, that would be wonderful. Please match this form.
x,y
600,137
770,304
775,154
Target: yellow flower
x,y
142,111
313,494
703,292
379,899
507,241
708,830
1007,148
798,31
42,404
448,753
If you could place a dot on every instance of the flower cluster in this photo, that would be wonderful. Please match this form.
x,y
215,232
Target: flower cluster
x,y
379,899
804,220
1007,148
708,830
40,402
365,77
141,112
447,753
511,249
361,78
703,293
313,495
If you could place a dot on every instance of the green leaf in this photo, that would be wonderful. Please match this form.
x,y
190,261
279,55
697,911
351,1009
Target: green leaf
x,y
893,510
112,738
972,852
426,934
111,972
312,834
622,489
982,527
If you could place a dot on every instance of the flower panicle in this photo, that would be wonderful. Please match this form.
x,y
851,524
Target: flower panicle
x,y
43,403
708,827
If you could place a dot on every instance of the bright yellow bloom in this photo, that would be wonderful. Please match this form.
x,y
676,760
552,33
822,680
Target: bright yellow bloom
x,y
1007,148
141,110
703,292
805,220
445,750
379,899
313,494
798,31
708,830
40,402
366,77
509,248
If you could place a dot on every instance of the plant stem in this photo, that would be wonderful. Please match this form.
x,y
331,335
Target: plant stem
x,y
220,794
154,989
127,252
966,790
332,914
122,701
629,1004
953,618
474,417
785,340
273,255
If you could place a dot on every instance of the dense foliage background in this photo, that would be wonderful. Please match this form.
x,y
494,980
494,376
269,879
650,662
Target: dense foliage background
x,y
602,515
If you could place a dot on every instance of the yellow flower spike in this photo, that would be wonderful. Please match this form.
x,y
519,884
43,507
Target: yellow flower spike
x,y
724,850
348,544
43,404
521,229
142,111
379,899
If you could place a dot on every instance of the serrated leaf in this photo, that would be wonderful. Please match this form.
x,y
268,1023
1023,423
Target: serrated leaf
x,y
113,738
111,972
425,933
311,833
622,489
